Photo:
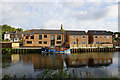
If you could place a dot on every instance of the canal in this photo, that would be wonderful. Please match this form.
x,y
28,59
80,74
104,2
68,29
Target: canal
x,y
95,64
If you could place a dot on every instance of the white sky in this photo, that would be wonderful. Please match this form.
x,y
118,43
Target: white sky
x,y
74,15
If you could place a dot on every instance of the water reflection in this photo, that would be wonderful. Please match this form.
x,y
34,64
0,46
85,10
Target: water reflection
x,y
31,64
56,61
87,59
44,61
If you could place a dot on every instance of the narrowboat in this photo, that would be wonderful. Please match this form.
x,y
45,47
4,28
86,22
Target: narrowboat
x,y
56,50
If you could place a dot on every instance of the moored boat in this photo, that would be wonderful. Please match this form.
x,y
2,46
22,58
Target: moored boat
x,y
56,51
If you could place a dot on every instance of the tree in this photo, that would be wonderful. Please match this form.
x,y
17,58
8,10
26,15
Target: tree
x,y
4,28
19,29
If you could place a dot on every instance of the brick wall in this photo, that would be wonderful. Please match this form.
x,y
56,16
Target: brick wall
x,y
35,41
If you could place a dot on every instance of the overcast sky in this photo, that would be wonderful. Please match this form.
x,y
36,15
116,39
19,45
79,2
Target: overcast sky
x,y
77,15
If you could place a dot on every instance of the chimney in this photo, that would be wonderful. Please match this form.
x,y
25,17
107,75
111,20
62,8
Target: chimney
x,y
61,26
15,31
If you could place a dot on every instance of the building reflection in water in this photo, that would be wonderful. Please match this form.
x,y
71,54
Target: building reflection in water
x,y
44,61
89,59
15,58
57,61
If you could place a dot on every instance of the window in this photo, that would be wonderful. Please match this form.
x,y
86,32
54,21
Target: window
x,y
58,37
40,42
97,42
45,42
29,42
104,61
16,35
83,37
27,37
45,36
22,35
73,62
31,36
95,36
58,42
40,36
96,61
100,61
83,42
107,42
73,36
104,37
6,35
12,35
108,37
83,62
73,42
77,36
109,61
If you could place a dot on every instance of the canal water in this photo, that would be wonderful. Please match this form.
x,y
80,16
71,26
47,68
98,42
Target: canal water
x,y
102,64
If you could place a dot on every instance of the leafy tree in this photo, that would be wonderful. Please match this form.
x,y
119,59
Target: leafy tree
x,y
19,29
4,28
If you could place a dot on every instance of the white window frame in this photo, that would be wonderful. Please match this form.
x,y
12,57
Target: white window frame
x,y
73,43
73,36
97,42
83,42
108,37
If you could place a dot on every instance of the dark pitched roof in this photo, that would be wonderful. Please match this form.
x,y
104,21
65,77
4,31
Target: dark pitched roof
x,y
44,31
74,32
99,32
13,32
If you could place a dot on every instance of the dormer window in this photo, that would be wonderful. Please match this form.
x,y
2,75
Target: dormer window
x,y
83,37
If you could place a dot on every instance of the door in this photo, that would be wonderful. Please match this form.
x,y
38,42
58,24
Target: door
x,y
52,40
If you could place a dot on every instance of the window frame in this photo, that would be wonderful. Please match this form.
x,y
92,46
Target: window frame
x,y
108,37
96,37
97,42
29,41
16,35
83,42
104,37
73,36
73,42
83,36
40,41
39,37
58,41
44,42
45,35
59,38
